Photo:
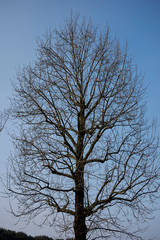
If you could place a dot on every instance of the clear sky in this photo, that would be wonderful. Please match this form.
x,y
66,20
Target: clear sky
x,y
22,21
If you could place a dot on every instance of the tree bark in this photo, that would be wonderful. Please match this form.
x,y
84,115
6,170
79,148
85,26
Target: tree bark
x,y
79,224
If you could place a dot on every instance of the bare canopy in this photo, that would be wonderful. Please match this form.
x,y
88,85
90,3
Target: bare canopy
x,y
84,153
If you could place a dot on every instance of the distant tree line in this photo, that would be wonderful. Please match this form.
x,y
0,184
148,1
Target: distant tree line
x,y
12,235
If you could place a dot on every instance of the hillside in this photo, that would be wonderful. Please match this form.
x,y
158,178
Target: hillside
x,y
12,235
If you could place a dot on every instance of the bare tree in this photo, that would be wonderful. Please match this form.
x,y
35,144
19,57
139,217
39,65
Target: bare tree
x,y
85,153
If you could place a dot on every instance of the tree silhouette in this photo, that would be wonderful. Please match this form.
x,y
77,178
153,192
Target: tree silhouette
x,y
85,153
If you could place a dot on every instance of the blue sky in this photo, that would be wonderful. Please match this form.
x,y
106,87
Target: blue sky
x,y
22,21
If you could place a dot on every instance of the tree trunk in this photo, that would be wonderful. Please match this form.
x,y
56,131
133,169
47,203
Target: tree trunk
x,y
79,223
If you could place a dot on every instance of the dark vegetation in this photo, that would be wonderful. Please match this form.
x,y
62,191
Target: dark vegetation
x,y
12,235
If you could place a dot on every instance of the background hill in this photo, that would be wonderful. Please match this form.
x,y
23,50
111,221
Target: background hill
x,y
12,235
